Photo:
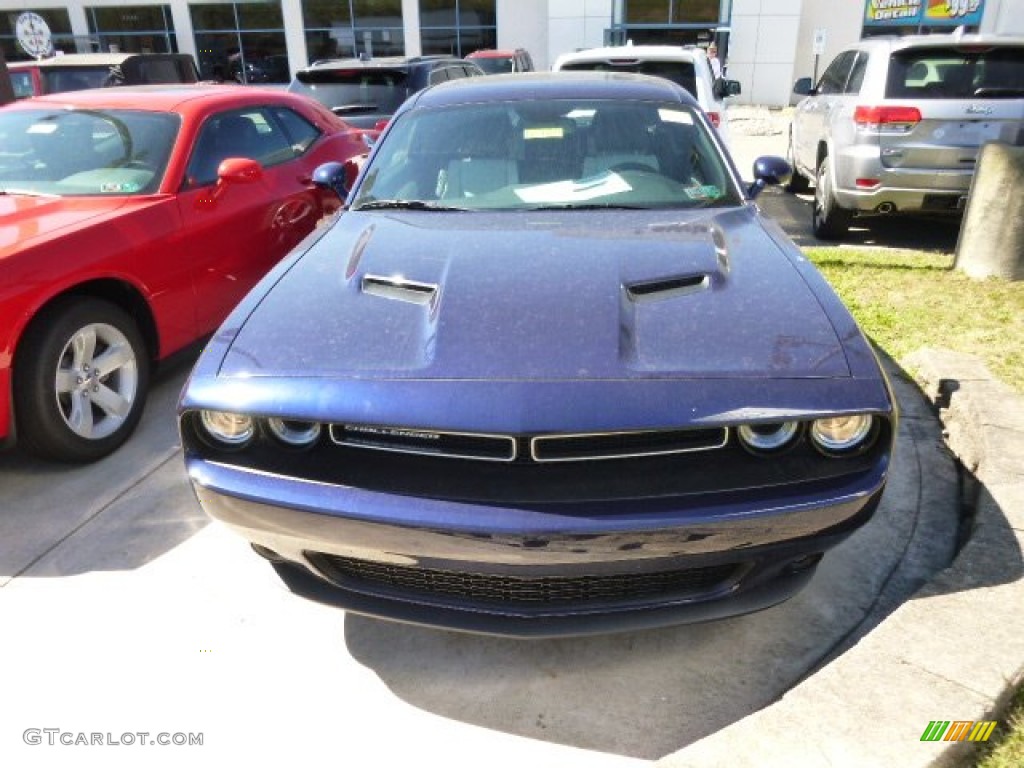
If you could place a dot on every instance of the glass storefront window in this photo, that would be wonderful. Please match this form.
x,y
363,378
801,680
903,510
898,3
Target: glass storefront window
x,y
647,11
228,51
457,27
325,13
377,13
133,29
695,11
673,11
260,15
339,29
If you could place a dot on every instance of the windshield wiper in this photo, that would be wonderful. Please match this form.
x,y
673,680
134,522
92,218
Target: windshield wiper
x,y
26,192
345,109
588,207
409,205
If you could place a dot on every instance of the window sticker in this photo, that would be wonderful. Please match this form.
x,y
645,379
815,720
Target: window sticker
x,y
703,192
675,116
574,191
114,188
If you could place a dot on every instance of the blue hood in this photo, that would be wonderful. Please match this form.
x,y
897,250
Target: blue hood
x,y
547,295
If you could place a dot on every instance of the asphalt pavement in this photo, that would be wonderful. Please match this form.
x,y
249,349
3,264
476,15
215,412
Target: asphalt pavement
x,y
126,612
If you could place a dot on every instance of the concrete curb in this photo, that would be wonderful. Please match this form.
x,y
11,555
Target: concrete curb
x,y
954,651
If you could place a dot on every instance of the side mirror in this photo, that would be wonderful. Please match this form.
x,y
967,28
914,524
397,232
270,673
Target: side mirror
x,y
769,170
332,176
802,87
724,88
239,170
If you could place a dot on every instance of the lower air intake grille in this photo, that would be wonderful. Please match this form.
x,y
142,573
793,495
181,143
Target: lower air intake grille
x,y
512,590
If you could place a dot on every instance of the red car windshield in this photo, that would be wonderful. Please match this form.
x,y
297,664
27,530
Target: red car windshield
x,y
60,152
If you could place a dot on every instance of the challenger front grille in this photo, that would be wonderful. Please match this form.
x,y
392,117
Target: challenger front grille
x,y
623,445
522,590
541,448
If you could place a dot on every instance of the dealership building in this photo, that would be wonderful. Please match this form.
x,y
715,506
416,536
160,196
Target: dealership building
x,y
767,43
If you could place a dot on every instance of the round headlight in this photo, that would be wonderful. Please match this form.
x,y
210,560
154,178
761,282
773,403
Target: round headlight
x,y
768,437
296,433
841,434
231,429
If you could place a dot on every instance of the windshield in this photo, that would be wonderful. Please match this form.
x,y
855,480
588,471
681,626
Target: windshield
x,y
62,152
548,154
494,65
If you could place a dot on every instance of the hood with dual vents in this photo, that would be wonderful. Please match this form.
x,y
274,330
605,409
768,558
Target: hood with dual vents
x,y
546,295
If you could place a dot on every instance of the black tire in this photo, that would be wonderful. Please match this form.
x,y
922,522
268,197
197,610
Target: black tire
x,y
798,183
828,220
65,408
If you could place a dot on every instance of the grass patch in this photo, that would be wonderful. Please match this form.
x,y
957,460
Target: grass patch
x,y
905,300
1006,749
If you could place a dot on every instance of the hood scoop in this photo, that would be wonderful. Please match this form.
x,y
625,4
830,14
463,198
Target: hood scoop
x,y
399,289
668,287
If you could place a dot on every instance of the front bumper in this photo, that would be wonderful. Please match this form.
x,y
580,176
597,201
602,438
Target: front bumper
x,y
539,569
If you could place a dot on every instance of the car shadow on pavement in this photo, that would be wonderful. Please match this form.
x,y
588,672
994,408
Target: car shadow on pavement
x,y
648,694
793,213
116,514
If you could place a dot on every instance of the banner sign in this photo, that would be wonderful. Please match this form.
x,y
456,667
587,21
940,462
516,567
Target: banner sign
x,y
924,13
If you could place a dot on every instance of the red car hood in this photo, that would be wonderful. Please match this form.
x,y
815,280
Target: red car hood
x,y
25,219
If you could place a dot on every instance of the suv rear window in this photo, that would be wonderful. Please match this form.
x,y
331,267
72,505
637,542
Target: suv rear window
x,y
679,72
956,73
355,91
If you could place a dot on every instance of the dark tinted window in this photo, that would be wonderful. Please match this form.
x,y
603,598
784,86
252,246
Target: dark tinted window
x,y
354,91
243,133
951,73
857,74
834,79
680,72
301,133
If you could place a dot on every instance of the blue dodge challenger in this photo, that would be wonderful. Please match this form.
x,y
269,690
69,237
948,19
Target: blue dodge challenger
x,y
549,371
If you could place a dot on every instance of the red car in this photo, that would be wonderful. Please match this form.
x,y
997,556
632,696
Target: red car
x,y
131,221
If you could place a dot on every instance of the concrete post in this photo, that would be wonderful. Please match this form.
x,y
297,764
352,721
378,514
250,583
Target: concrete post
x,y
991,242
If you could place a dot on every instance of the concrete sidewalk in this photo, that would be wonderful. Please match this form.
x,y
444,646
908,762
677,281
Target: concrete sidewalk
x,y
955,650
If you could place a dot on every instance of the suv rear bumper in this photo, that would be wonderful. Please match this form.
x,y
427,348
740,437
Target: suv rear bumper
x,y
910,190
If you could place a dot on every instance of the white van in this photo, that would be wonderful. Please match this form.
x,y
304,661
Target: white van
x,y
687,66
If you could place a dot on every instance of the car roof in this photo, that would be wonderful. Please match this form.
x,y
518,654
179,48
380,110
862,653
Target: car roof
x,y
386,62
78,60
159,98
630,52
491,53
966,41
530,86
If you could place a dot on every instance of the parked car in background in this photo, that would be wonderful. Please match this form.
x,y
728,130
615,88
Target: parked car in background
x,y
367,91
685,65
502,62
131,221
551,371
77,71
895,125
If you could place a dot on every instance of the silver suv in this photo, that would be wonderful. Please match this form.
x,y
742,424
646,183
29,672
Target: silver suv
x,y
895,124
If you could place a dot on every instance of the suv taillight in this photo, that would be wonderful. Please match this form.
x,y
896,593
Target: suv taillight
x,y
715,118
879,116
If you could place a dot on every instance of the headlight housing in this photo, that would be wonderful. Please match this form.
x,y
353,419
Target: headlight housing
x,y
768,437
842,434
228,430
297,434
